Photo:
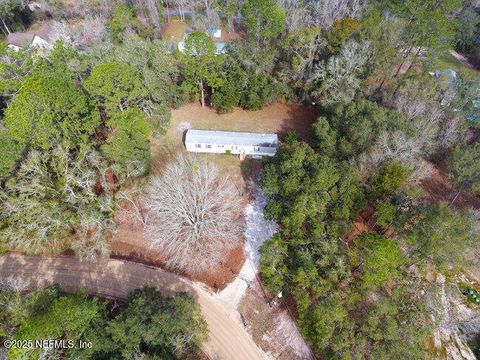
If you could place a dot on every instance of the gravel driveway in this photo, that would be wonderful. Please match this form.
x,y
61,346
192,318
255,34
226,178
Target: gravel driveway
x,y
116,278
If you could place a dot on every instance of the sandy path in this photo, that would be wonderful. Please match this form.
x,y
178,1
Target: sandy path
x,y
116,278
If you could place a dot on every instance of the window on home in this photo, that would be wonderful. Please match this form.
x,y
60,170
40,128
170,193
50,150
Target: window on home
x,y
209,146
198,146
256,148
221,146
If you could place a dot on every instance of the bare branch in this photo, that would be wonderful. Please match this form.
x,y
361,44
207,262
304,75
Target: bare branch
x,y
17,284
134,210
192,214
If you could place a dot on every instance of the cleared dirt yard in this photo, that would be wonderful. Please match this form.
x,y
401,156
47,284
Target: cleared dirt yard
x,y
130,242
438,187
277,118
174,31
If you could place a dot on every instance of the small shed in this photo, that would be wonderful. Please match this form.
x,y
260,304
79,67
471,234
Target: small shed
x,y
233,142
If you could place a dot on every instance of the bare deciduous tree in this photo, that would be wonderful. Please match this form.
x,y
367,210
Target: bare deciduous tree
x,y
15,283
181,6
131,207
325,12
60,32
79,8
88,31
298,16
339,79
52,202
420,169
425,115
396,146
206,15
414,107
192,214
450,132
150,7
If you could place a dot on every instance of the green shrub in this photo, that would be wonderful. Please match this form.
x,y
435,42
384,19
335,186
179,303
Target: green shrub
x,y
11,152
291,137
228,152
385,213
464,163
390,178
225,98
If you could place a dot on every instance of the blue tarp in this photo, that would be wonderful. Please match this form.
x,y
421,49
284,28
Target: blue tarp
x,y
473,117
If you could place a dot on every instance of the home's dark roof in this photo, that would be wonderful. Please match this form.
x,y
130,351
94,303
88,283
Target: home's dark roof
x,y
24,39
20,39
46,32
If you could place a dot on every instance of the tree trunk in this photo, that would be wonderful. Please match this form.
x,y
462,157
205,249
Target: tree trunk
x,y
409,67
395,92
379,88
403,62
182,16
415,56
203,93
153,12
5,25
456,196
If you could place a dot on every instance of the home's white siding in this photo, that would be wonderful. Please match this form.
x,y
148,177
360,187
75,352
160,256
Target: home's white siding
x,y
40,43
234,149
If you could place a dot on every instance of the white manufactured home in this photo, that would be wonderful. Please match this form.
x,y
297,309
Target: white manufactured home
x,y
231,142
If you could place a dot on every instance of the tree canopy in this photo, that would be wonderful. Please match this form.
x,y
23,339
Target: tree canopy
x,y
357,197
304,188
201,64
116,86
148,325
50,108
379,258
465,165
263,18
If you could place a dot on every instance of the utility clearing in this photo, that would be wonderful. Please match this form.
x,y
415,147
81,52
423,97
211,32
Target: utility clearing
x,y
276,333
257,231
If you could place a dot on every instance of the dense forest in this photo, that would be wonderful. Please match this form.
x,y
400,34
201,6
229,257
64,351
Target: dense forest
x,y
78,121
149,324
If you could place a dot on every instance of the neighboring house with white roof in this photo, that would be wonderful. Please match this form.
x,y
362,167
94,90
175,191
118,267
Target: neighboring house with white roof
x,y
215,34
43,38
220,47
238,143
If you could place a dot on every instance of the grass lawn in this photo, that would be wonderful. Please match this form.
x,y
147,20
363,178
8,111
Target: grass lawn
x,y
174,31
448,61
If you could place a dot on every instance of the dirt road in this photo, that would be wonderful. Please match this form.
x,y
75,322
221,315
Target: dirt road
x,y
116,278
